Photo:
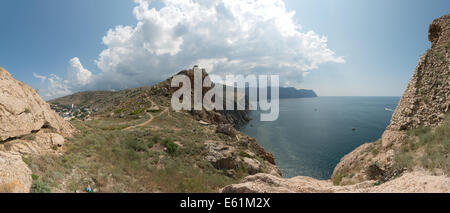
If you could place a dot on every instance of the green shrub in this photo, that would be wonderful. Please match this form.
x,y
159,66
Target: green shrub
x,y
34,177
245,154
171,147
337,180
39,187
137,112
27,110
156,139
136,146
25,160
118,111
166,141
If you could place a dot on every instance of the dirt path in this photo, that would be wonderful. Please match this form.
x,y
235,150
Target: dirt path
x,y
149,120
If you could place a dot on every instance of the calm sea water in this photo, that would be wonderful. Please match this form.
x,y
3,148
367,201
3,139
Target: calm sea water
x,y
311,135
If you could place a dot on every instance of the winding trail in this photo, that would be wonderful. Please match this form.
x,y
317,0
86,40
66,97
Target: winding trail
x,y
149,120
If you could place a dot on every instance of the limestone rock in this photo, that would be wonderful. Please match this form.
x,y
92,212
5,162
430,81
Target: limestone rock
x,y
42,143
390,137
407,183
22,110
15,176
428,93
226,129
263,153
253,166
23,116
220,155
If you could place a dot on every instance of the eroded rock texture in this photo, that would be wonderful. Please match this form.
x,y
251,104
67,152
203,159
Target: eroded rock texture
x,y
27,126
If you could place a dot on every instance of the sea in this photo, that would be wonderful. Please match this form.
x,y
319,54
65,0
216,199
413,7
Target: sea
x,y
311,135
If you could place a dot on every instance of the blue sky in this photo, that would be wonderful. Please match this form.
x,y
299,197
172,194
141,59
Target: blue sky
x,y
372,47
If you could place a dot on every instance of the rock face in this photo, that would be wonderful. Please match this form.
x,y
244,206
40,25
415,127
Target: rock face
x,y
427,96
415,182
15,176
220,155
235,117
227,157
27,126
226,129
424,103
22,111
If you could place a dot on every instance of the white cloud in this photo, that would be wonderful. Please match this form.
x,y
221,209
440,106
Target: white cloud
x,y
57,87
233,36
76,71
41,77
77,77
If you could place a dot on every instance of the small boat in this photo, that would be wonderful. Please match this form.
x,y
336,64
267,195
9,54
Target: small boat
x,y
353,129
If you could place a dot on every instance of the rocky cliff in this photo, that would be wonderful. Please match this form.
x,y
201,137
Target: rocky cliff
x,y
27,126
426,98
411,156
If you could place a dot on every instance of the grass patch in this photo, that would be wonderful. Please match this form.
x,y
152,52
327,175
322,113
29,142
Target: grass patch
x,y
137,112
39,186
427,148
118,111
245,154
338,179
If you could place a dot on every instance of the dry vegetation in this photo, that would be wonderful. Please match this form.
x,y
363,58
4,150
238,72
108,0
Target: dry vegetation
x,y
166,155
426,148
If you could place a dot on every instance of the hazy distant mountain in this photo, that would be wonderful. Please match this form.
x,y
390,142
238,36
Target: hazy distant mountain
x,y
290,92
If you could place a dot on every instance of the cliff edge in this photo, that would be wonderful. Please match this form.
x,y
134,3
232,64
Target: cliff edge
x,y
411,156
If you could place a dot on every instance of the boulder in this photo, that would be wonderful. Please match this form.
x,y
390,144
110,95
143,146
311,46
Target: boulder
x,y
253,166
221,156
15,176
226,129
22,110
41,143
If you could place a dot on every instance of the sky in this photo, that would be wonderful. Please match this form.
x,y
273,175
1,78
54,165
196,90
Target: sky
x,y
337,48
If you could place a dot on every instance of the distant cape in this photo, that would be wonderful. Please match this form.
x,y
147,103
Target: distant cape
x,y
290,92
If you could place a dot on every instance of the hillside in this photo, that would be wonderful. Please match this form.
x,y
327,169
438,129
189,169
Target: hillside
x,y
135,142
413,153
